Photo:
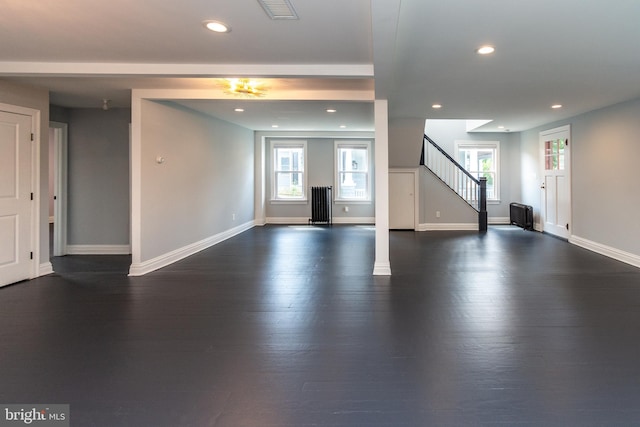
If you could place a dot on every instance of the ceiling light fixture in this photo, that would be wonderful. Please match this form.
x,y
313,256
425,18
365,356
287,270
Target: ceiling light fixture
x,y
244,87
485,50
274,126
217,26
331,110
556,106
343,126
239,110
436,106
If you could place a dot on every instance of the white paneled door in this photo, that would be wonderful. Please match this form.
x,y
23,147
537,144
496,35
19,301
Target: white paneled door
x,y
555,208
15,197
402,200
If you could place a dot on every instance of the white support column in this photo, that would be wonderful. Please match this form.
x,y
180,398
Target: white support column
x,y
136,179
382,266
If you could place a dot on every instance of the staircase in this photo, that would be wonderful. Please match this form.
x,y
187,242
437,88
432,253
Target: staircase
x,y
472,190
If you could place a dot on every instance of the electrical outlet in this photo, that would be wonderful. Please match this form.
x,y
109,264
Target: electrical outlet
x,y
437,214
346,208
233,217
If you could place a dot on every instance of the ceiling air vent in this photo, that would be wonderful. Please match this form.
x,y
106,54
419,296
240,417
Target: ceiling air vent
x,y
278,9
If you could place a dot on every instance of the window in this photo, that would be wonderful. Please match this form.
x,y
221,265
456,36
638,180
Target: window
x,y
482,159
353,180
288,177
554,154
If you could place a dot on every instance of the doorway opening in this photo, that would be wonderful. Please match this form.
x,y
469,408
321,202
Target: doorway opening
x,y
58,135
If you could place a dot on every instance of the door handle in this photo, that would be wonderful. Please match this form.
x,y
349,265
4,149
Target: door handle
x,y
542,186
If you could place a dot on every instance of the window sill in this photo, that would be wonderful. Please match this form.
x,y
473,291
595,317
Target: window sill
x,y
494,202
288,202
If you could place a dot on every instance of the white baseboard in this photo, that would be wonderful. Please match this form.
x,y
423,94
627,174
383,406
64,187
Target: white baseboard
x,y
140,269
382,269
45,268
336,220
353,220
260,222
498,220
288,220
605,250
98,250
448,227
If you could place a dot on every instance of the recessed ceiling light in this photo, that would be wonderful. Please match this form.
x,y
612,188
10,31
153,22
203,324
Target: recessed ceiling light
x,y
239,110
331,110
274,126
217,26
436,106
343,126
556,106
500,127
485,50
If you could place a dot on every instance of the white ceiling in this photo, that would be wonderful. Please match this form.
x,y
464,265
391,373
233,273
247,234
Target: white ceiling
x,y
582,54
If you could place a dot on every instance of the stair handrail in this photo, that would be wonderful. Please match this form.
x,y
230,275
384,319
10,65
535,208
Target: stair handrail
x,y
481,183
451,159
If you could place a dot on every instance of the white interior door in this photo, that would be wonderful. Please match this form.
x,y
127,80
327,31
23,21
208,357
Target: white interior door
x,y
555,212
15,197
402,200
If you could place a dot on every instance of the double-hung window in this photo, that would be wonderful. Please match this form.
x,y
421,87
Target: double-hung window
x,y
353,178
482,159
288,177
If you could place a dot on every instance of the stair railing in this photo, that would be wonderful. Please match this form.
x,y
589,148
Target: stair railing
x,y
471,189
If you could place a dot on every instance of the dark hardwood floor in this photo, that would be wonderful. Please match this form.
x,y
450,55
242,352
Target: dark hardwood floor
x,y
286,326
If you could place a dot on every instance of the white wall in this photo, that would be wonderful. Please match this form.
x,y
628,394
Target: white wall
x,y
446,132
605,150
405,142
98,177
435,197
207,177
320,172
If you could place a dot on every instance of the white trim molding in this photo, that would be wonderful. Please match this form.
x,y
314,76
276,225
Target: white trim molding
x,y
142,268
287,220
499,220
605,250
98,249
305,220
45,268
354,220
449,227
382,269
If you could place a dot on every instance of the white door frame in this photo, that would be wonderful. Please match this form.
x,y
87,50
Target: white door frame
x,y
35,182
545,136
60,146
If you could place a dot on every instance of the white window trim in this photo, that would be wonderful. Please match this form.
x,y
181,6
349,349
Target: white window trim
x,y
484,144
352,144
287,143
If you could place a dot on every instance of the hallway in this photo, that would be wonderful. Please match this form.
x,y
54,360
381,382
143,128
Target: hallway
x,y
286,326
